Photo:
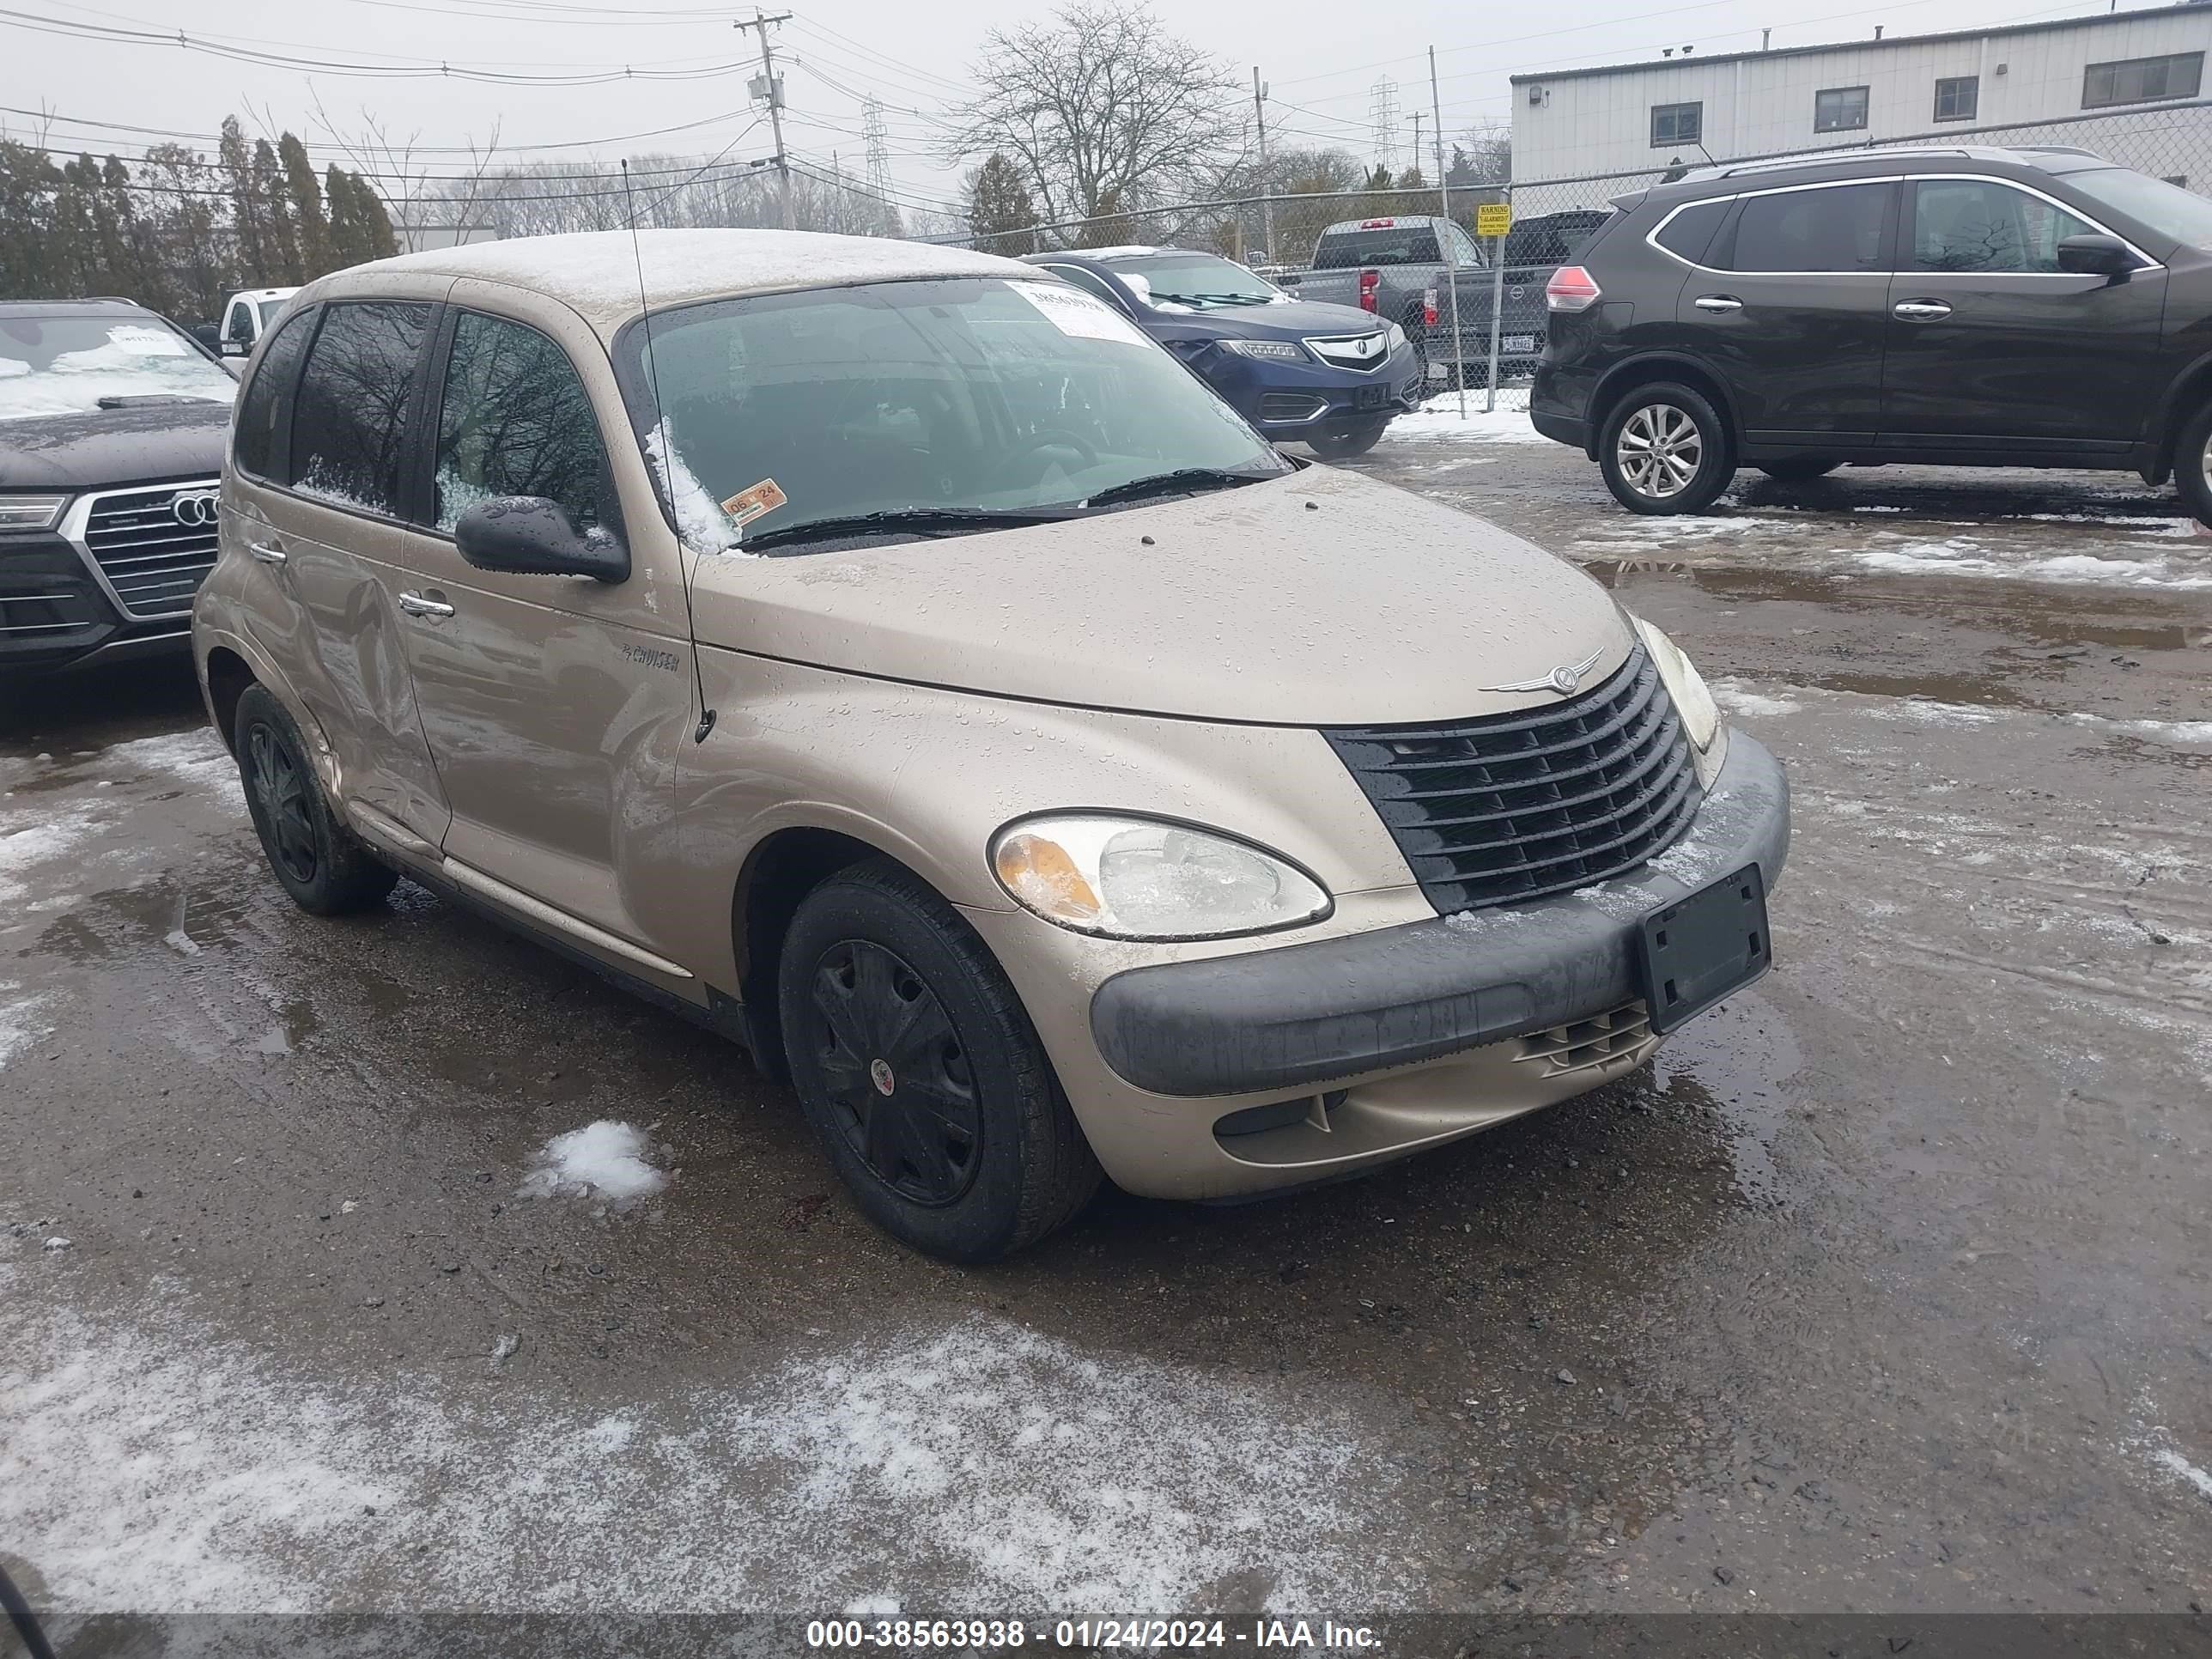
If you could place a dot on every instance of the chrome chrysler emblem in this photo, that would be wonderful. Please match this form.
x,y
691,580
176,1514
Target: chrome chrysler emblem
x,y
195,508
1563,679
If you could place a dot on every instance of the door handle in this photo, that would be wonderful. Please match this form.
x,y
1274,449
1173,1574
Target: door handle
x,y
415,604
1920,311
265,553
1718,304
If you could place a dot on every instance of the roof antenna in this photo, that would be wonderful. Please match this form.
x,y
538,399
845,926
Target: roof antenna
x,y
666,439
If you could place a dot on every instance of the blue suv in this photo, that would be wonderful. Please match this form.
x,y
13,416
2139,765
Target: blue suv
x,y
1327,376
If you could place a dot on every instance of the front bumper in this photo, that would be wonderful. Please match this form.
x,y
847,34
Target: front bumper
x,y
52,612
1304,1016
1290,400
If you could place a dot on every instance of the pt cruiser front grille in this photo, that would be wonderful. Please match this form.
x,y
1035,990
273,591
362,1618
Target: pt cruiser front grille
x,y
1513,806
154,546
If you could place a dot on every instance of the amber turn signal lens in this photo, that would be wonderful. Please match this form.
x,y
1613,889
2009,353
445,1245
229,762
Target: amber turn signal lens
x,y
1040,874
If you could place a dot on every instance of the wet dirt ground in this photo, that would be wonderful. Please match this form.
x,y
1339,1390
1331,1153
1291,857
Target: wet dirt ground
x,y
1888,1286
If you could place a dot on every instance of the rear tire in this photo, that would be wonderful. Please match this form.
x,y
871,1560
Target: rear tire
x,y
1347,441
326,868
1664,449
2192,465
1801,469
920,1071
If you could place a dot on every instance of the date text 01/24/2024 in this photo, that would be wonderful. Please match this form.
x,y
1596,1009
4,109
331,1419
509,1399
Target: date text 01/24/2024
x,y
902,1635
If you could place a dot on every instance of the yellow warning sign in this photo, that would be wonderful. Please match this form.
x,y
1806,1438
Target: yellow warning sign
x,y
1493,219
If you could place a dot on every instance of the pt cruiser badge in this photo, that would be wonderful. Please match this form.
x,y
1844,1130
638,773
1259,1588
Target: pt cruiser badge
x,y
1563,679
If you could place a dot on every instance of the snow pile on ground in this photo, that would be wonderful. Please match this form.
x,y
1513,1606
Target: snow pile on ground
x,y
1737,698
604,1159
18,1029
152,1466
1962,556
1437,420
2183,734
2153,1442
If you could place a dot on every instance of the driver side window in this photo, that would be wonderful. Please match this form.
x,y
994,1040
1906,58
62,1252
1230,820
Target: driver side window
x,y
238,326
1979,224
516,419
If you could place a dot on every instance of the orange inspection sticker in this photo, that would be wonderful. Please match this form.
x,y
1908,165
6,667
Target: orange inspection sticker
x,y
749,504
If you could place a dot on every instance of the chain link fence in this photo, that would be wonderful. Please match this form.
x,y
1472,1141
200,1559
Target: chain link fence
x,y
1277,235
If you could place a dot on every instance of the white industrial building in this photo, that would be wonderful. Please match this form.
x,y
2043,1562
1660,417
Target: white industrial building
x,y
2115,68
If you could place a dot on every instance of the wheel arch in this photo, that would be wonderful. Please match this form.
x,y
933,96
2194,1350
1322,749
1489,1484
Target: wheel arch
x,y
777,874
1624,377
226,676
2190,390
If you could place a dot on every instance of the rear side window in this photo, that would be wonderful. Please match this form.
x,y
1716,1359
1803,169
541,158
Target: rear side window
x,y
349,425
516,421
1979,224
268,398
1400,245
1836,228
1690,233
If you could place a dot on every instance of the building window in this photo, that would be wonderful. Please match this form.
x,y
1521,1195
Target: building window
x,y
1677,123
1958,98
1840,109
2143,80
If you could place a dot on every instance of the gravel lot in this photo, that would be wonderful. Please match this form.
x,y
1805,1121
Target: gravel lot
x,y
1886,1288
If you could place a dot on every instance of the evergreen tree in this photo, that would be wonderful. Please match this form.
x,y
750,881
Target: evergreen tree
x,y
1001,217
249,219
283,248
306,201
380,241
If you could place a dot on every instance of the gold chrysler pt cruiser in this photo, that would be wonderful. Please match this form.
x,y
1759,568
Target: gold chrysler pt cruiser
x,y
888,656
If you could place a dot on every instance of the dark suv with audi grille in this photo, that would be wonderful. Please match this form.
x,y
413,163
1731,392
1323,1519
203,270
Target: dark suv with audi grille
x,y
112,430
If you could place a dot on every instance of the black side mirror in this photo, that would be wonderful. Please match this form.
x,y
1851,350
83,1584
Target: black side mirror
x,y
530,536
207,334
2096,255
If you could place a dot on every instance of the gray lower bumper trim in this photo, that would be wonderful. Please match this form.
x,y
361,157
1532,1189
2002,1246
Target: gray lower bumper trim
x,y
1306,1014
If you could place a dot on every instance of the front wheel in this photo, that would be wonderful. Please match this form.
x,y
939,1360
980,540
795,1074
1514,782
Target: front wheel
x,y
1347,440
2192,465
920,1071
1664,449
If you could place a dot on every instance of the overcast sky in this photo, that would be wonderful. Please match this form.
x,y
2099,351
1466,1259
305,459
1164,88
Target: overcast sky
x,y
1322,60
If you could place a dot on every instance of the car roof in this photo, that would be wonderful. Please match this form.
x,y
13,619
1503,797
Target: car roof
x,y
609,276
1108,255
257,293
1734,177
100,306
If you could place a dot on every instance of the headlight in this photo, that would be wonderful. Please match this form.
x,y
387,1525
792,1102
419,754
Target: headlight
x,y
1394,339
1281,351
31,512
1131,877
1701,717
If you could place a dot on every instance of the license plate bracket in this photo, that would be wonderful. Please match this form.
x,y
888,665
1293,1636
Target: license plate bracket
x,y
1517,343
1699,949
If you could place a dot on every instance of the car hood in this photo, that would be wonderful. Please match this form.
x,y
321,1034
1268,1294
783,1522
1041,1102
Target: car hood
x,y
1295,321
1318,599
113,446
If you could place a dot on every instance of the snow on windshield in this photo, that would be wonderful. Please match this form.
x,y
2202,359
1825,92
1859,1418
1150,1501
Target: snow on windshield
x,y
701,524
66,366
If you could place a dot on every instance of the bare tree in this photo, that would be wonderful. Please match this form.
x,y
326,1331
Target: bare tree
x,y
418,194
1101,110
1483,154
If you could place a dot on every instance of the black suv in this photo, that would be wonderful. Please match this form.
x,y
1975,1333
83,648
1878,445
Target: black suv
x,y
1955,307
112,430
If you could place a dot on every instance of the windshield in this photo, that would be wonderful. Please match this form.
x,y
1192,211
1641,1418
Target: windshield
x,y
67,365
1199,280
2172,211
267,309
921,397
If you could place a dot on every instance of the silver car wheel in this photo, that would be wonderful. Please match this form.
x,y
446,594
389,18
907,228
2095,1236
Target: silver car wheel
x,y
1660,450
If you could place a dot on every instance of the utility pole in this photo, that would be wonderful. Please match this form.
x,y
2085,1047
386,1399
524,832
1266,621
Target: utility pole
x,y
1266,187
1444,236
770,86
1419,116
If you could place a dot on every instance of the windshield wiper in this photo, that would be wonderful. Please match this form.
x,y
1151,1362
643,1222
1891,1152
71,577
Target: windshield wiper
x,y
1187,480
915,520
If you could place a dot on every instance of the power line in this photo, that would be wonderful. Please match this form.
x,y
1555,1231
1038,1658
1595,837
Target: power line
x,y
421,70
45,116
